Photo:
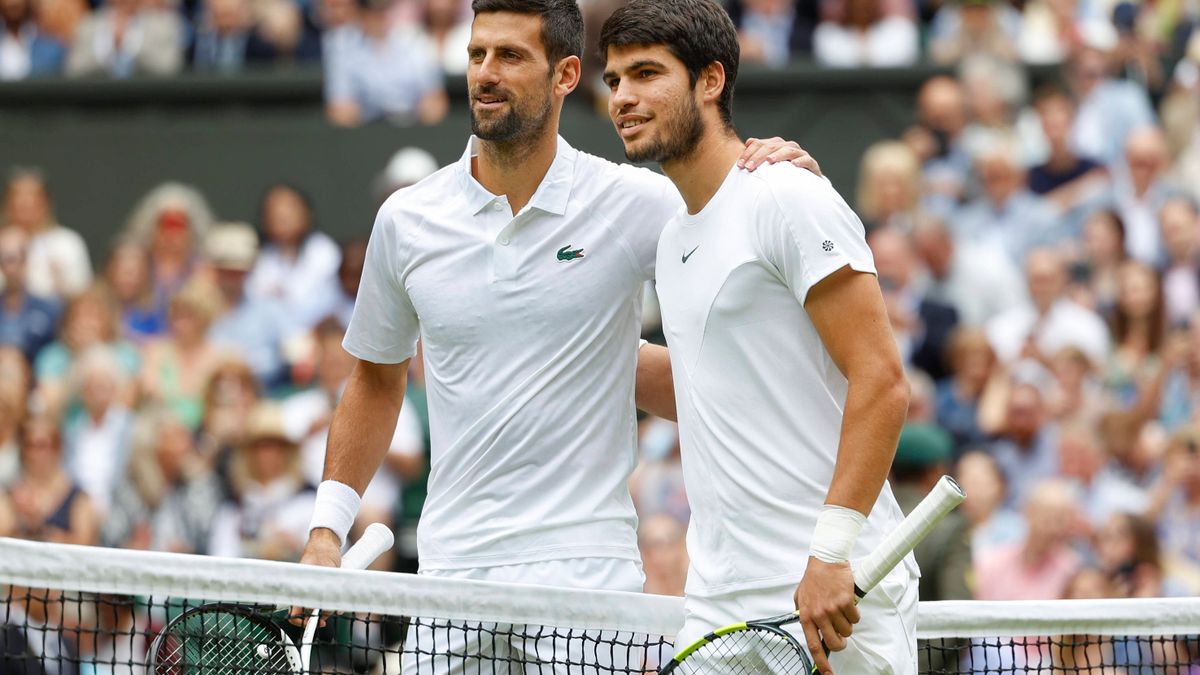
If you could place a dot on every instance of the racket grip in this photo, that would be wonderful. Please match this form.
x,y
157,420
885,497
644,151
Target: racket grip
x,y
375,540
941,500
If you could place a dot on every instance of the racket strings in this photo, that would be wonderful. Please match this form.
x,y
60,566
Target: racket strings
x,y
747,652
222,643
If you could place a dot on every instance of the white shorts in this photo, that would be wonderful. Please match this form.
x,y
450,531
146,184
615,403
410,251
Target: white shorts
x,y
434,647
884,640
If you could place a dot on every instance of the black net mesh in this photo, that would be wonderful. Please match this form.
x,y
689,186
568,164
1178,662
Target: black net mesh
x,y
1064,654
747,652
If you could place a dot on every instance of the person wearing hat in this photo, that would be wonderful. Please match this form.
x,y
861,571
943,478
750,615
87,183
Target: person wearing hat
x,y
267,517
253,327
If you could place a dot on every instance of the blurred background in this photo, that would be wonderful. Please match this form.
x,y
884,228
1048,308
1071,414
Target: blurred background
x,y
189,184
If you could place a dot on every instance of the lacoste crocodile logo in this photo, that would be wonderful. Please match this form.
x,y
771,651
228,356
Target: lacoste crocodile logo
x,y
567,254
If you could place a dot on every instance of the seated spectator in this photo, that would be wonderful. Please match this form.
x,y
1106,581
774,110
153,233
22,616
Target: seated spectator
x,y
228,40
170,495
230,394
662,542
114,631
1140,359
889,186
25,50
176,368
1140,189
1049,31
1039,567
1065,179
171,222
1048,321
1026,446
993,525
89,320
60,18
1102,252
268,515
972,366
15,383
1078,394
127,275
1128,552
860,34
58,265
773,32
978,281
1109,109
124,38
1102,488
449,27
97,441
1007,216
1175,499
965,27
378,70
937,139
27,322
297,261
253,327
996,91
44,503
1179,220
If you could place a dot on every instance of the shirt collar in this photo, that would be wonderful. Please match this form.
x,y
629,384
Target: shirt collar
x,y
552,194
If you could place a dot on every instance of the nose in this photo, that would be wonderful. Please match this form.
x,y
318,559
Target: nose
x,y
487,72
623,97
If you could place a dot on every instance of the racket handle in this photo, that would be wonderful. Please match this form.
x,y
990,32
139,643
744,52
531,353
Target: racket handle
x,y
941,500
373,543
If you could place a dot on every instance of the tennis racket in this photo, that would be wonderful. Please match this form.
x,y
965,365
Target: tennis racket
x,y
765,647
234,639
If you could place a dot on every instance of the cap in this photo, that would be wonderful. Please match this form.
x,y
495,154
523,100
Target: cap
x,y
266,423
232,246
923,445
409,165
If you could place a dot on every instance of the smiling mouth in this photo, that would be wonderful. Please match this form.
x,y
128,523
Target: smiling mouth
x,y
631,127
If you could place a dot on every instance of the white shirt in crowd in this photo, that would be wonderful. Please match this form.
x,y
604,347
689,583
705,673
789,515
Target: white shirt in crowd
x,y
759,398
58,265
296,283
529,326
889,43
97,453
1067,324
982,282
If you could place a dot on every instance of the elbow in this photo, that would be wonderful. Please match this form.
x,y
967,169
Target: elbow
x,y
892,390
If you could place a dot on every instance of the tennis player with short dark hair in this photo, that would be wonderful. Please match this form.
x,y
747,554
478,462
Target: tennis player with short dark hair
x,y
789,388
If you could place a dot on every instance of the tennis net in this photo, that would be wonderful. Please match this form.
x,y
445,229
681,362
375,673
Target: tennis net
x,y
69,610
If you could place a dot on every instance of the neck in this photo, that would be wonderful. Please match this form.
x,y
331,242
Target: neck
x,y
700,174
515,168
1061,158
14,296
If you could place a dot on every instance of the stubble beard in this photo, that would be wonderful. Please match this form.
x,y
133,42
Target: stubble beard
x,y
676,141
517,124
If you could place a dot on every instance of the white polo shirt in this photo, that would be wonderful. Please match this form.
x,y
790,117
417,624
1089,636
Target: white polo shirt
x,y
759,398
530,329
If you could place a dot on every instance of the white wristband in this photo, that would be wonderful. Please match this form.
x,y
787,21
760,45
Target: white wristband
x,y
836,531
335,508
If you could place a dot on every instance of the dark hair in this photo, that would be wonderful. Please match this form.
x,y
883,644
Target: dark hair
x,y
562,23
296,192
698,32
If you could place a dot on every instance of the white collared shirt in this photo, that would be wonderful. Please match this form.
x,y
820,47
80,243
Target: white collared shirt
x,y
530,329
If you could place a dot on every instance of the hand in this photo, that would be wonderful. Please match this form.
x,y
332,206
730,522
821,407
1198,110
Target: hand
x,y
825,604
324,550
774,150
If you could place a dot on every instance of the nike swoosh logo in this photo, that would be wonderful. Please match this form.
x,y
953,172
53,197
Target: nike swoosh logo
x,y
688,255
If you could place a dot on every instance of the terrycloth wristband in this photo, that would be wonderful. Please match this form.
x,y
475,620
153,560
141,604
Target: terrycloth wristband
x,y
335,508
836,531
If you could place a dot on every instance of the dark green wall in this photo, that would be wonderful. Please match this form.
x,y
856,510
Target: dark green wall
x,y
105,144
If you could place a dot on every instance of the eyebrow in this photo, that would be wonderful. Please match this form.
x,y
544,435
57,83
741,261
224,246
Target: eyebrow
x,y
635,66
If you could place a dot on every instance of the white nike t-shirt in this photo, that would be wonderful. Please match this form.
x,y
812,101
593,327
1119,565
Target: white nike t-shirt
x,y
759,398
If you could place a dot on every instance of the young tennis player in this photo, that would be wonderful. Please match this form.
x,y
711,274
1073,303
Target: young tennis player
x,y
789,389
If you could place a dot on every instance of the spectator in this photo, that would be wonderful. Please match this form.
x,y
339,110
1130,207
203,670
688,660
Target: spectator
x,y
978,281
255,327
1102,488
664,553
859,33
937,140
1078,394
228,40
230,394
1065,179
921,326
1179,220
97,441
171,221
996,90
268,515
25,51
993,525
1039,567
15,384
449,29
177,367
1007,217
297,261
772,32
972,366
965,27
1175,499
27,322
377,70
169,496
1109,109
44,503
1139,359
290,37
60,18
1140,190
345,287
1026,448
1181,120
1094,275
1048,321
127,275
1049,31
58,265
889,186
90,320
1128,552
125,38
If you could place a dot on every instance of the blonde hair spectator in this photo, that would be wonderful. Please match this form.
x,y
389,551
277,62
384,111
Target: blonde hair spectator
x,y
889,185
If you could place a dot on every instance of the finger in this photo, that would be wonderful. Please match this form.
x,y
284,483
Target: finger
x,y
809,163
297,615
752,146
817,650
842,625
763,151
787,154
830,636
851,613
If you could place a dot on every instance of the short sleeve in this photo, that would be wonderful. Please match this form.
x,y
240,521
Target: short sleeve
x,y
811,233
384,327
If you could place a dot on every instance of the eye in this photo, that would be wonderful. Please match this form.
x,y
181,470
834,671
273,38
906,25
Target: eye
x,y
475,55
646,73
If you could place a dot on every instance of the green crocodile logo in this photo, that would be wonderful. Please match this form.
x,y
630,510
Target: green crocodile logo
x,y
566,254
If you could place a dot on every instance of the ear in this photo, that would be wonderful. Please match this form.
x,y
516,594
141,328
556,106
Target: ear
x,y
711,82
567,75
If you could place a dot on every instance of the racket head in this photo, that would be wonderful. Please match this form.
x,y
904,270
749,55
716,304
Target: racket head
x,y
760,647
223,639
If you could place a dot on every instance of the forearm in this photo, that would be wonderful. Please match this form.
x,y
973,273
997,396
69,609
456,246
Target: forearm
x,y
655,388
876,406
363,425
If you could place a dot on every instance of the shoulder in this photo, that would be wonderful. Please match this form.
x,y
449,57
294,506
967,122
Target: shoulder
x,y
594,173
791,187
409,205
